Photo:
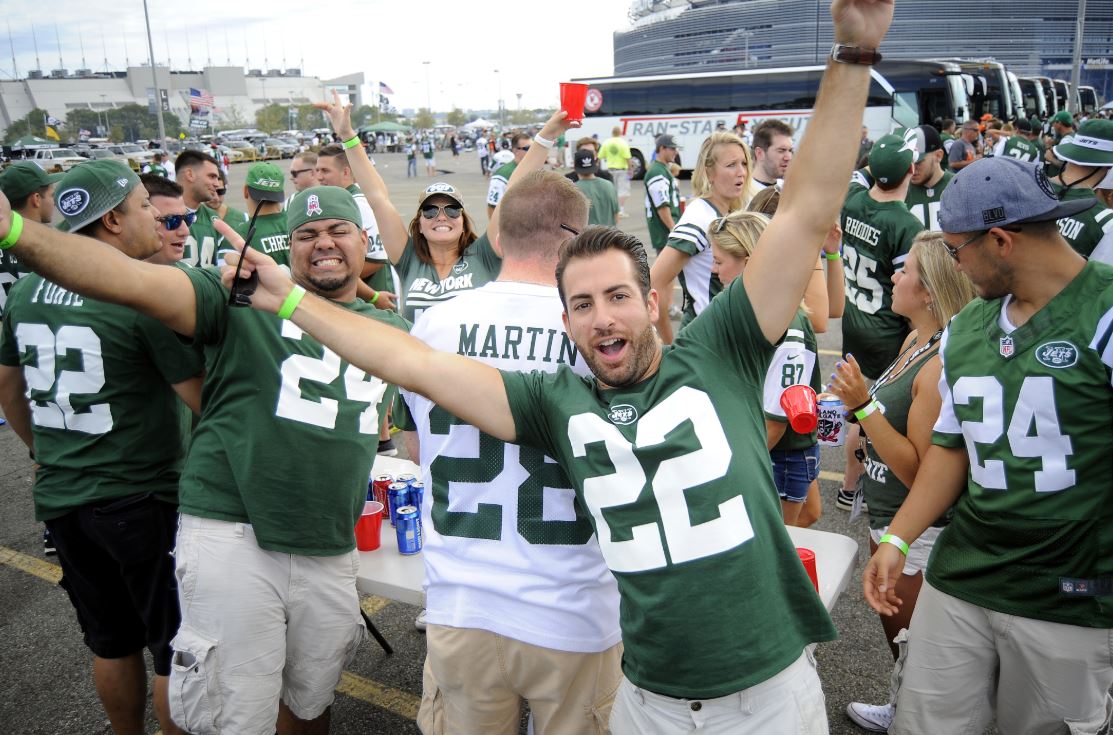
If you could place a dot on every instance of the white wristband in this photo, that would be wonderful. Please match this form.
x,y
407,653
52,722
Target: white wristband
x,y
543,142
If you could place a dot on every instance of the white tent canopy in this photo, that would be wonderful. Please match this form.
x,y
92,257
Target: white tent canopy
x,y
480,124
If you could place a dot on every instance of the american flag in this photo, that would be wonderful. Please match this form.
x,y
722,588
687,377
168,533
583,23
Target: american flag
x,y
384,89
200,99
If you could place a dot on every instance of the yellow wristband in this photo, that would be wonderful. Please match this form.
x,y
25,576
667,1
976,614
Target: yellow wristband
x,y
297,293
832,256
351,142
868,410
896,541
13,232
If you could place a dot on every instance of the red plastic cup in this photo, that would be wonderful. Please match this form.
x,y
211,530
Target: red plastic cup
x,y
799,404
572,98
369,526
807,558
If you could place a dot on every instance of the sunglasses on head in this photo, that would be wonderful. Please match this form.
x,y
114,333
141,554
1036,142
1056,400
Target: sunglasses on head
x,y
173,221
450,210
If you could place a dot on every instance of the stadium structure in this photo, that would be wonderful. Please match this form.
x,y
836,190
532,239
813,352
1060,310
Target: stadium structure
x,y
1031,37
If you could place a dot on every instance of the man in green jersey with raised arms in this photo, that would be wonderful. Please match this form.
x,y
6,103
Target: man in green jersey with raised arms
x,y
666,448
1087,159
265,548
1014,617
87,386
199,176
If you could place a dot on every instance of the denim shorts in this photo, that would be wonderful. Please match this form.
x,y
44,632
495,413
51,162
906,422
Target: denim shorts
x,y
794,471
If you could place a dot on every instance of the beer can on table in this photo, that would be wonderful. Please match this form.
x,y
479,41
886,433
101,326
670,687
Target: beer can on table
x,y
409,530
407,477
831,430
379,487
417,494
398,495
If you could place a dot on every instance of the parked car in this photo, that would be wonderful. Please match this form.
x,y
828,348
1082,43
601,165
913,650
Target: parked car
x,y
283,148
135,155
49,158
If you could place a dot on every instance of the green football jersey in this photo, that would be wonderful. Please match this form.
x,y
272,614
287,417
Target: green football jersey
x,y
793,363
1085,229
200,246
698,284
271,237
876,239
660,190
499,181
288,431
923,201
676,477
1022,149
422,287
1032,533
104,418
10,272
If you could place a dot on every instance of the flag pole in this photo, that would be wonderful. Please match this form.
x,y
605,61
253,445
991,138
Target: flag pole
x,y
154,79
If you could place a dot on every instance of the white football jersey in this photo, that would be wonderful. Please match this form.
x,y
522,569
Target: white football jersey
x,y
507,548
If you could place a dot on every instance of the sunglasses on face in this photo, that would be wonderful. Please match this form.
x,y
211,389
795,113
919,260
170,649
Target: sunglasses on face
x,y
522,148
296,172
450,211
221,192
173,221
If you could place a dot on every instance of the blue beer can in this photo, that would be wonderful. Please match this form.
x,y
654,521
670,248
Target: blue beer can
x,y
407,477
398,496
409,530
417,494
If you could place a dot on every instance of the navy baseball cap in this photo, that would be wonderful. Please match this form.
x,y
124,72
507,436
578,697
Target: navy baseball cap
x,y
1000,190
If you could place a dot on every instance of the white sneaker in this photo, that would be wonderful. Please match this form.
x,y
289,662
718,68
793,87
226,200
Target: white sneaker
x,y
420,622
872,717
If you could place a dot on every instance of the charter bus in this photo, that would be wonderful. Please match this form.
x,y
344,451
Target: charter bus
x,y
1087,100
1063,94
995,97
692,106
1035,97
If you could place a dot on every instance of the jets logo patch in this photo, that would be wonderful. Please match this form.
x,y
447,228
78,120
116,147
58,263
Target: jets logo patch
x,y
623,414
72,202
1057,354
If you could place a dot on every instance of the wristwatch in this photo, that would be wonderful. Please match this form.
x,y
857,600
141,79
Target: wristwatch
x,y
855,55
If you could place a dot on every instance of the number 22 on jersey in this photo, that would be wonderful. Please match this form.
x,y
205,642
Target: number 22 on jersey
x,y
682,540
52,408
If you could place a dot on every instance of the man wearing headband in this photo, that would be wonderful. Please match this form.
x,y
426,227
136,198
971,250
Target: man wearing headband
x,y
1087,164
1013,619
87,386
265,550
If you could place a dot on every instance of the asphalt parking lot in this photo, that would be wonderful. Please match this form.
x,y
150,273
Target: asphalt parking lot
x,y
45,670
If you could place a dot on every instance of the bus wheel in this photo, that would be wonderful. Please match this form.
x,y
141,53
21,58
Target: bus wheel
x,y
637,165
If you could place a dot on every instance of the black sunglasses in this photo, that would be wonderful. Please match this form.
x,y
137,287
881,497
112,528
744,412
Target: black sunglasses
x,y
296,172
173,221
244,288
522,148
451,211
221,192
953,251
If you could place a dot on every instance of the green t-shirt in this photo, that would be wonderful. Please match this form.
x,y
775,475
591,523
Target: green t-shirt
x,y
660,190
876,239
676,477
1022,149
1033,531
794,362
923,201
1085,229
288,430
604,201
422,287
104,418
200,246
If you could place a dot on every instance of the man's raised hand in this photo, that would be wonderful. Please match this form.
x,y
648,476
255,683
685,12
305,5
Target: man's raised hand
x,y
340,116
274,284
861,23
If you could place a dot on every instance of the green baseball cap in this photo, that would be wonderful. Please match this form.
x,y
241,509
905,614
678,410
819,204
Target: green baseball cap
x,y
1034,121
264,182
891,157
1063,118
322,202
1091,145
23,178
90,189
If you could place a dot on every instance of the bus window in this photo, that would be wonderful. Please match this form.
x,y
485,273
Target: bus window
x,y
906,111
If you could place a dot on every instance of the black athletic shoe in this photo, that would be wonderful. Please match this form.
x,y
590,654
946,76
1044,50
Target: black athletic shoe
x,y
387,448
48,544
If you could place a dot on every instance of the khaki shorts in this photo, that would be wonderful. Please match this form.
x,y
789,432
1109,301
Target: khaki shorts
x,y
257,626
475,681
966,664
918,551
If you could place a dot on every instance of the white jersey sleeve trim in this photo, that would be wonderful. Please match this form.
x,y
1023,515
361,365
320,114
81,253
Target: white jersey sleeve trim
x,y
495,190
947,423
657,190
1103,340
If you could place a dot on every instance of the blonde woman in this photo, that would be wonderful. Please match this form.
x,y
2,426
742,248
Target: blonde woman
x,y
794,456
896,416
722,183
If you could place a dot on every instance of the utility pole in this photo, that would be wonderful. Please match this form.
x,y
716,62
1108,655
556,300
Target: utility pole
x,y
1076,63
154,78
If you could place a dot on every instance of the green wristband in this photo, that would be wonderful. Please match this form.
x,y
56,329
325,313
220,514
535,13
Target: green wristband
x,y
375,297
13,232
351,142
867,410
896,541
832,256
297,293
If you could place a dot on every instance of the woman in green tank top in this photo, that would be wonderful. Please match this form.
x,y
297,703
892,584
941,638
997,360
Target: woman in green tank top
x,y
896,416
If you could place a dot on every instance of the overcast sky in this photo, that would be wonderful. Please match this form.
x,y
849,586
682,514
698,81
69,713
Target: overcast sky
x,y
463,41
